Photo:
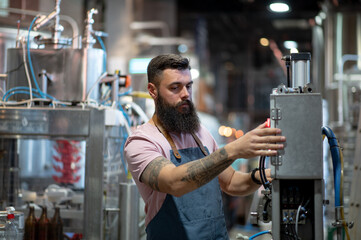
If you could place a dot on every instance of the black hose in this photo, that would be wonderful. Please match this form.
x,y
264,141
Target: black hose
x,y
262,172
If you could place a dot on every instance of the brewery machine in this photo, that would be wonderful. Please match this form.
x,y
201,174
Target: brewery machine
x,y
294,201
58,144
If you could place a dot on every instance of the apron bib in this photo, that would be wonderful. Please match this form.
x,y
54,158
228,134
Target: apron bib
x,y
197,215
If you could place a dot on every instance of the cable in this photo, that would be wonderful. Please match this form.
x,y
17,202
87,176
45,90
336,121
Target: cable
x,y
25,101
27,89
24,92
120,107
260,233
18,88
295,234
139,111
260,166
265,212
43,95
334,148
29,58
297,217
17,68
27,71
94,84
129,91
262,172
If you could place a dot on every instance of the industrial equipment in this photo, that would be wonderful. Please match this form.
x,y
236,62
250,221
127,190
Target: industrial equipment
x,y
297,187
294,200
62,134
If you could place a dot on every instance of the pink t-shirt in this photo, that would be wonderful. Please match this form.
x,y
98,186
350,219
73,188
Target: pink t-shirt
x,y
144,145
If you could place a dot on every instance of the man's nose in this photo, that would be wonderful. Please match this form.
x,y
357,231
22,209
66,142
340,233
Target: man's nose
x,y
184,93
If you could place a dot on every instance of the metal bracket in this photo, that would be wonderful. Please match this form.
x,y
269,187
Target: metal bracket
x,y
276,160
276,114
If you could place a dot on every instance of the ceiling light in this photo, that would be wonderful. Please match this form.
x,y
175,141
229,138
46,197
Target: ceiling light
x,y
264,42
290,44
221,130
227,132
279,7
182,48
293,50
194,73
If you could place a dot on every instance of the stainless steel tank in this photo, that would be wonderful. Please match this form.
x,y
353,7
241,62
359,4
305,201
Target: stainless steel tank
x,y
70,72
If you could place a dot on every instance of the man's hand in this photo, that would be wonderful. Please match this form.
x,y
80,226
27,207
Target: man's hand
x,y
261,141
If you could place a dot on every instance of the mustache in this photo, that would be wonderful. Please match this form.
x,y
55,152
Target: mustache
x,y
188,102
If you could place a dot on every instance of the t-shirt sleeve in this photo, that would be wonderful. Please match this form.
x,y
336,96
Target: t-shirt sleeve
x,y
209,140
139,151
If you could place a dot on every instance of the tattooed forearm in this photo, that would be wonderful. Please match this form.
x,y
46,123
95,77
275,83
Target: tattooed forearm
x,y
205,169
151,173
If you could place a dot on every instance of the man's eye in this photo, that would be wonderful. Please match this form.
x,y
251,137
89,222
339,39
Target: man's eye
x,y
174,88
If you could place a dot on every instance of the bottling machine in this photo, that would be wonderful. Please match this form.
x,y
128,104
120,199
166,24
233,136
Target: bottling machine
x,y
55,132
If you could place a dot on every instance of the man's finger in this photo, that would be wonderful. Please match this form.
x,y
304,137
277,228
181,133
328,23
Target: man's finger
x,y
269,131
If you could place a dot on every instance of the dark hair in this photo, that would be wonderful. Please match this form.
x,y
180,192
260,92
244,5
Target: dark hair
x,y
162,62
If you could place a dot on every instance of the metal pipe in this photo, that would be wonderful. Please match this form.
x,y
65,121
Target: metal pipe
x,y
151,25
88,40
57,28
338,223
342,61
115,89
44,81
129,211
68,19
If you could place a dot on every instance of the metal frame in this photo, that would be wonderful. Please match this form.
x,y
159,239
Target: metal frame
x,y
70,123
301,160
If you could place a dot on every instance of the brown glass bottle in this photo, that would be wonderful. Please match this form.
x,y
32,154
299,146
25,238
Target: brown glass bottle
x,y
30,225
43,226
56,226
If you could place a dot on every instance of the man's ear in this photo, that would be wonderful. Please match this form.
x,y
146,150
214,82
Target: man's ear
x,y
153,91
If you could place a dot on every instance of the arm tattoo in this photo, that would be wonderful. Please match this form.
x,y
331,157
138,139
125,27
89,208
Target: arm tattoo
x,y
204,170
151,172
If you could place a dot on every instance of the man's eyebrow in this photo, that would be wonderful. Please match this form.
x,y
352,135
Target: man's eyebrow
x,y
177,83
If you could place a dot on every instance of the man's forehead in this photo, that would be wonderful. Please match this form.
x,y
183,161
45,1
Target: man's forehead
x,y
174,75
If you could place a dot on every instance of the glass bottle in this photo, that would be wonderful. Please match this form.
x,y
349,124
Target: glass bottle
x,y
43,226
11,229
30,225
56,226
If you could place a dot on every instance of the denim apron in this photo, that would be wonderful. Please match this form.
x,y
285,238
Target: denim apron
x,y
197,215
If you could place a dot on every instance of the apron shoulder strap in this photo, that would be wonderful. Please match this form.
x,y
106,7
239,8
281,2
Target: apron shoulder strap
x,y
167,136
200,145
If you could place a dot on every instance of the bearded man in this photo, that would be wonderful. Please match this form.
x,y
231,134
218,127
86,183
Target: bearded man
x,y
177,166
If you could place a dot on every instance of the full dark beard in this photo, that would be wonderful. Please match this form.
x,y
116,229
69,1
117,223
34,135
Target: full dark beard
x,y
174,120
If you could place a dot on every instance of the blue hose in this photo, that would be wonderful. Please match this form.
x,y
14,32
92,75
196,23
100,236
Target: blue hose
x,y
105,53
19,92
336,162
29,59
259,234
15,89
36,93
124,113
